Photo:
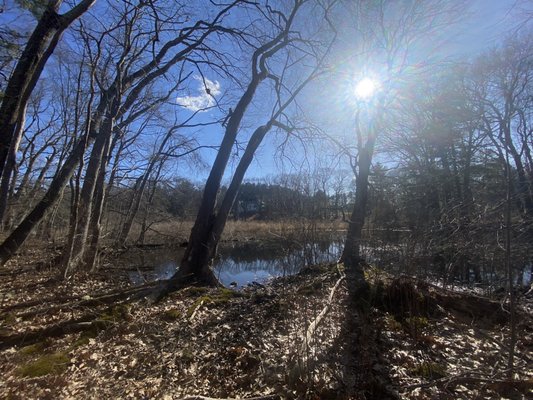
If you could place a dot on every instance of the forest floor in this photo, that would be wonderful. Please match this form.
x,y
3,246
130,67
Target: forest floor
x,y
296,337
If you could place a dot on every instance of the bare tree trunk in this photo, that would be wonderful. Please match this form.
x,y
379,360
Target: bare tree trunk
x,y
10,164
196,258
351,255
17,238
138,192
509,268
38,50
91,254
99,153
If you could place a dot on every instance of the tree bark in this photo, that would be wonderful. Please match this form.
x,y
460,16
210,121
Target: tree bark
x,y
38,50
196,258
77,244
17,238
351,255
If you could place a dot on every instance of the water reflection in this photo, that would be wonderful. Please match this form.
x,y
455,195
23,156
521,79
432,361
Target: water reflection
x,y
241,264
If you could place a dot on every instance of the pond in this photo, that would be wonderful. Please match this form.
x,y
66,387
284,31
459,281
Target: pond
x,y
240,263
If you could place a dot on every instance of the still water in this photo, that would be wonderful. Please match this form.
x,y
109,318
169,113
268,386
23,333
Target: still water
x,y
240,263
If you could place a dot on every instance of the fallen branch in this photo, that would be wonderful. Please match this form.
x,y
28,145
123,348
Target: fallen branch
x,y
78,298
314,325
83,323
137,291
193,314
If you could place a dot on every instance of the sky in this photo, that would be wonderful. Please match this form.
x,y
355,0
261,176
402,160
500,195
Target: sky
x,y
482,26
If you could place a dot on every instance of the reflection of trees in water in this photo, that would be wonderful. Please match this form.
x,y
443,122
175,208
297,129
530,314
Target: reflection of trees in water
x,y
273,267
253,251
276,258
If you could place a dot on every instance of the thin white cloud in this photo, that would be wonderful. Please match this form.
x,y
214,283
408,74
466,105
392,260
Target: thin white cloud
x,y
208,90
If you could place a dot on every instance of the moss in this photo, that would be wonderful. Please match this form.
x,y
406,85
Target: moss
x,y
195,290
85,337
417,323
35,348
415,326
373,273
218,297
54,363
187,355
310,288
32,349
199,301
82,341
118,313
430,370
171,314
9,318
226,294
393,324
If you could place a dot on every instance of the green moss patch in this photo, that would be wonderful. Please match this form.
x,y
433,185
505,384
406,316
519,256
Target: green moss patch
x,y
117,313
215,298
430,370
172,314
55,363
310,288
32,349
195,290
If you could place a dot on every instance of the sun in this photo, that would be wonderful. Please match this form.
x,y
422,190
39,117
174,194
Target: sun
x,y
365,88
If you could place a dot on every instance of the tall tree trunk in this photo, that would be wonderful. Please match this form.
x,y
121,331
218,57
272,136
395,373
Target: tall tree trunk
x,y
351,255
38,50
17,238
91,254
206,253
140,186
10,165
196,258
77,243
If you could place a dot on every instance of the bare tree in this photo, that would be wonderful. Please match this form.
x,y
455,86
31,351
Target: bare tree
x,y
211,220
27,72
137,67
387,32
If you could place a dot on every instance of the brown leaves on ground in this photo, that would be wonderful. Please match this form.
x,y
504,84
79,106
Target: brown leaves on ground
x,y
221,343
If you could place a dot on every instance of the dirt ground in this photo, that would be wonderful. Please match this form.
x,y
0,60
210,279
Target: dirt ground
x,y
408,340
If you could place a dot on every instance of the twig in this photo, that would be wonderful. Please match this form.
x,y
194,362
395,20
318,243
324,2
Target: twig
x,y
196,310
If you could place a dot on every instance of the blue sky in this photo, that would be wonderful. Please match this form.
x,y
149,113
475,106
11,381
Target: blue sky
x,y
483,25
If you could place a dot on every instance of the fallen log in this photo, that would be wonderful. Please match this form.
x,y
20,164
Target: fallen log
x,y
83,323
87,321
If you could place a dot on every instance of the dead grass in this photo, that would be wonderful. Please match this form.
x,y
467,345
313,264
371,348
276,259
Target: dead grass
x,y
246,230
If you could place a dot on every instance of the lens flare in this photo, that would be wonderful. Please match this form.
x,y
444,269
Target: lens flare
x,y
365,88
